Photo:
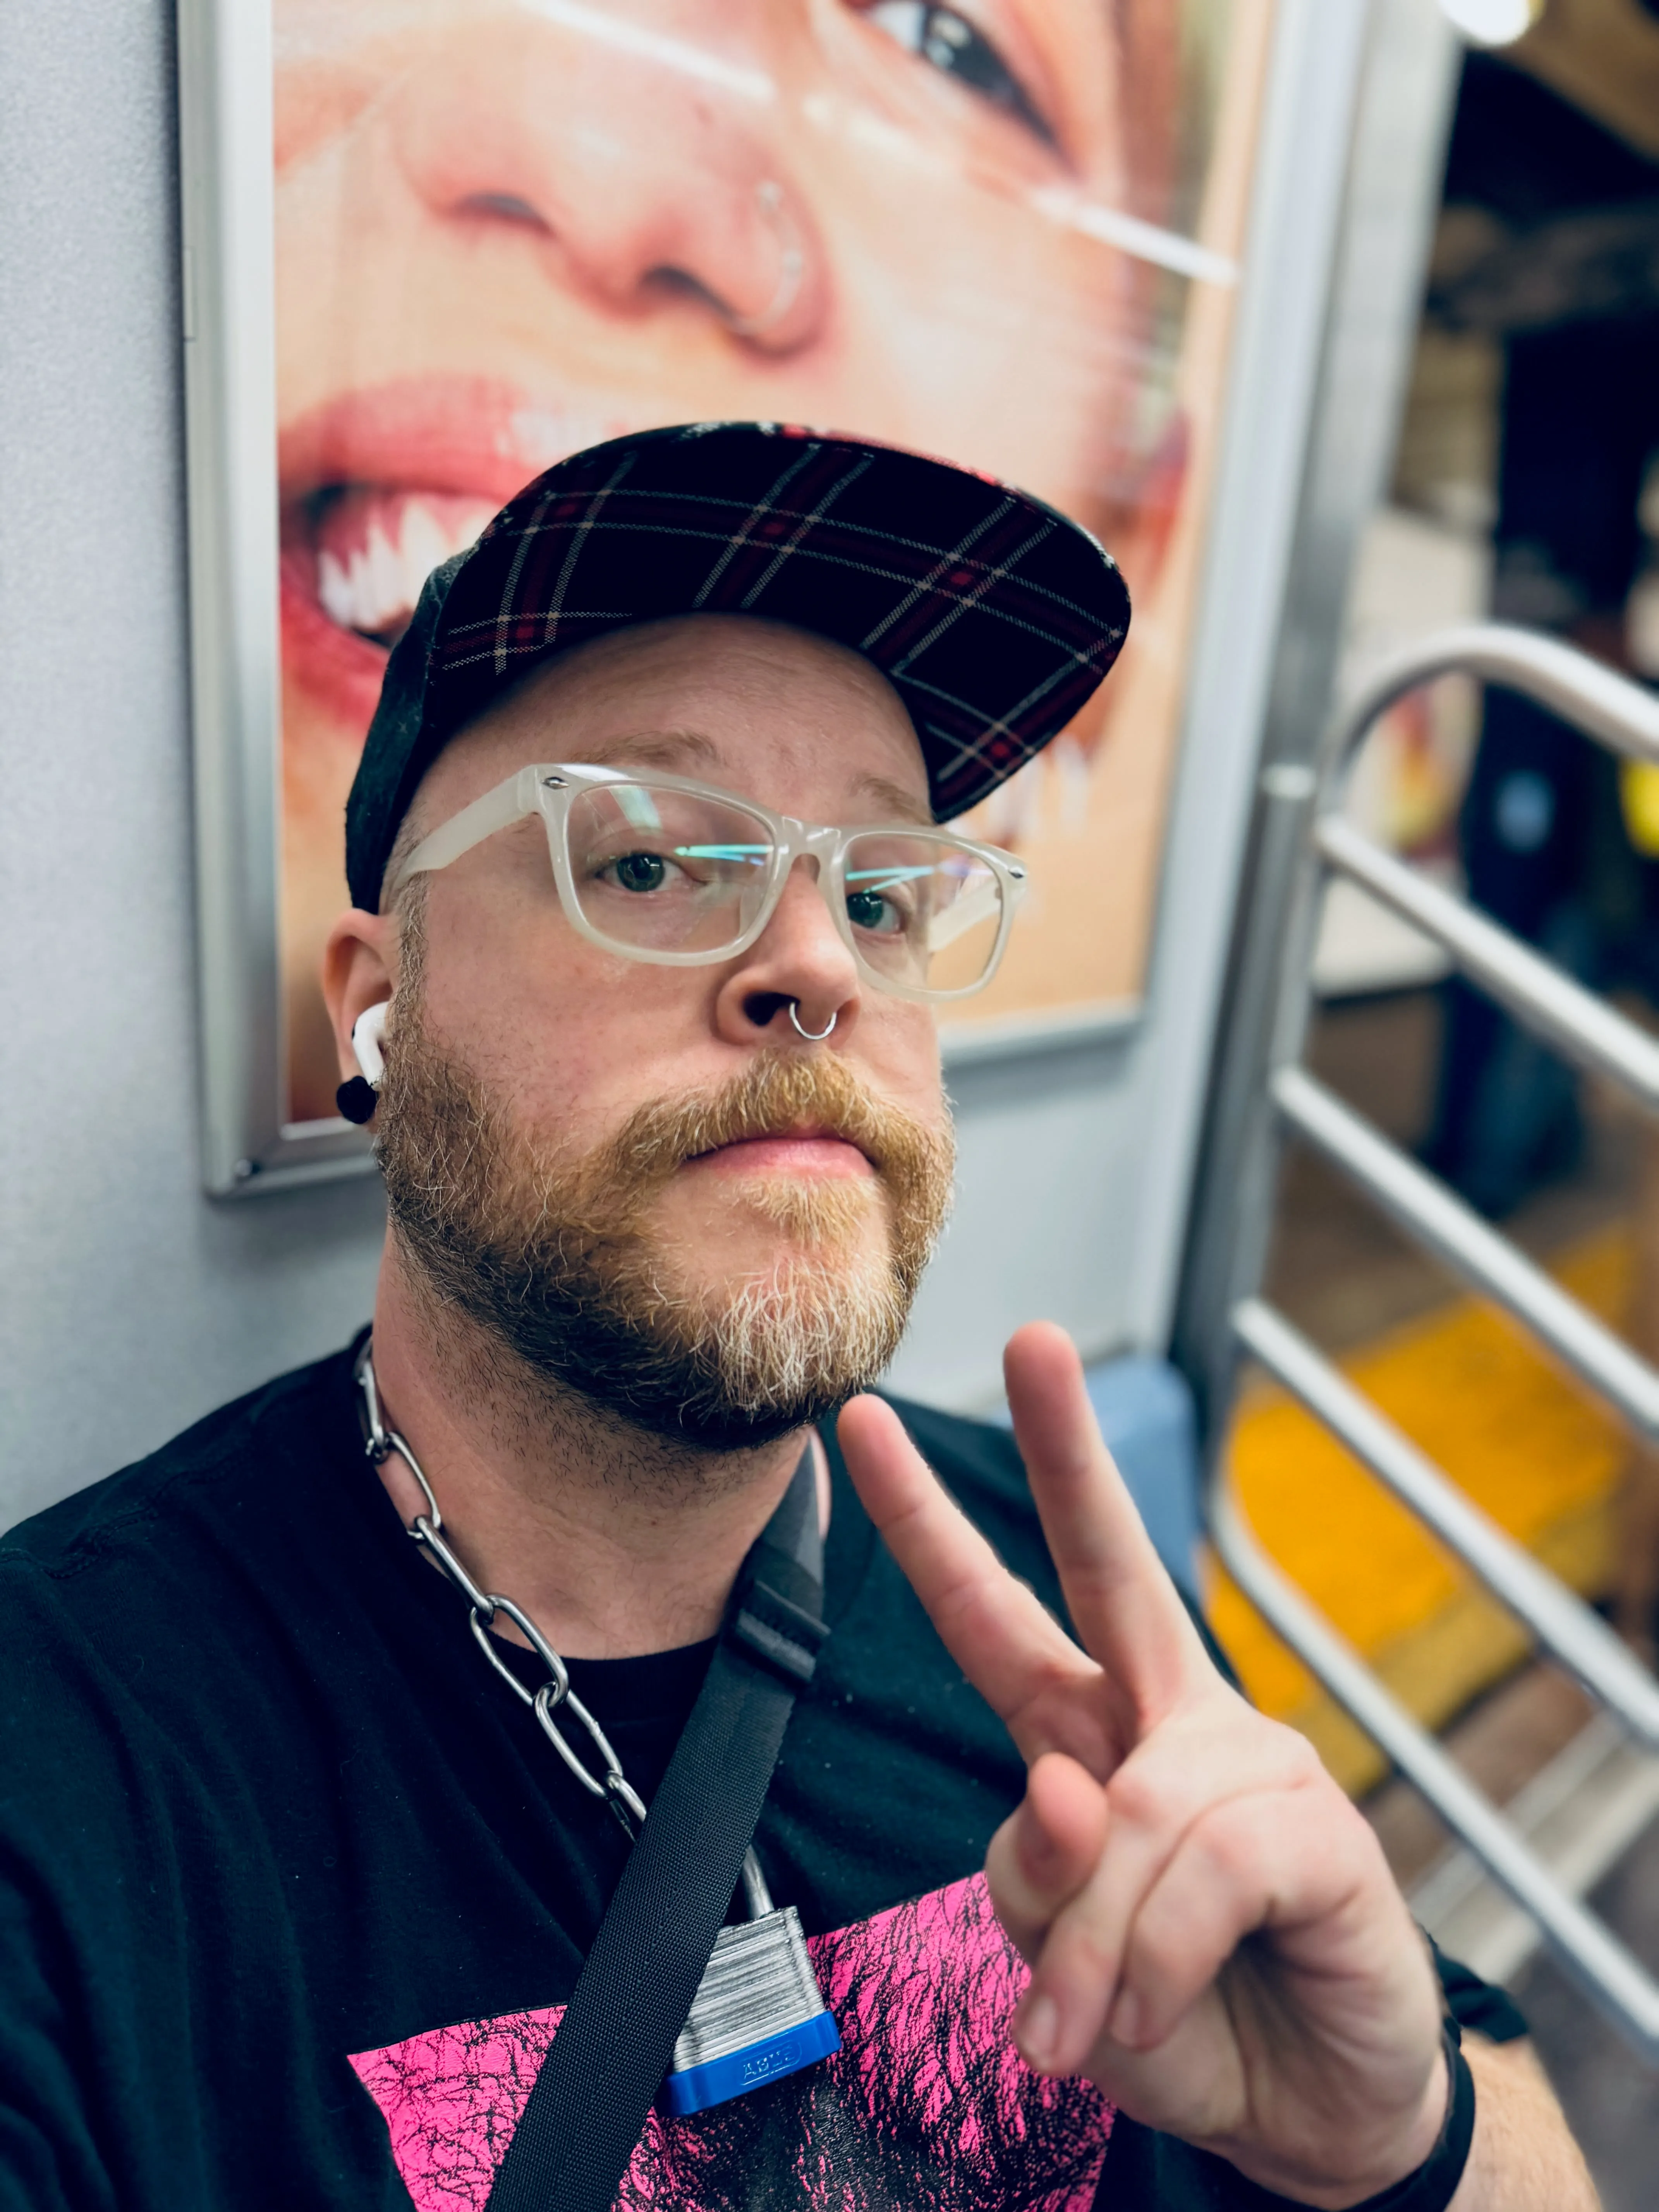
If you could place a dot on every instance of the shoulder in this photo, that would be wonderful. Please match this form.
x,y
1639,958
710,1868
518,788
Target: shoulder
x,y
141,1611
235,1450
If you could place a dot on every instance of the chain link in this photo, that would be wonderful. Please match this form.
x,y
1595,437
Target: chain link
x,y
614,1790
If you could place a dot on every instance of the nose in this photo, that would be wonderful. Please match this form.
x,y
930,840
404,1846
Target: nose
x,y
799,960
643,171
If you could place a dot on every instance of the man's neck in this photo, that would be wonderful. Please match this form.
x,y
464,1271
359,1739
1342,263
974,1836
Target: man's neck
x,y
613,1541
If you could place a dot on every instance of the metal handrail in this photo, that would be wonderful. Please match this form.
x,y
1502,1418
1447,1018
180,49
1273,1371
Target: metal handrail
x,y
1579,1638
1453,1232
1623,716
1581,1027
1587,693
1616,1984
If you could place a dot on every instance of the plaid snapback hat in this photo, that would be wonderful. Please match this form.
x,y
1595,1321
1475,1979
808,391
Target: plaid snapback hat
x,y
993,616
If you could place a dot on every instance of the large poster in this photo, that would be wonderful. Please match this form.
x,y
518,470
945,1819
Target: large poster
x,y
1004,233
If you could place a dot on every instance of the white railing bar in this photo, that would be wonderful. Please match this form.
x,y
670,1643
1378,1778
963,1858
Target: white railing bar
x,y
1595,698
1586,1029
1455,1233
1562,1623
1609,1976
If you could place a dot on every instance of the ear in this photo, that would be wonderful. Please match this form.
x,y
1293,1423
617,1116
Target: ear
x,y
359,976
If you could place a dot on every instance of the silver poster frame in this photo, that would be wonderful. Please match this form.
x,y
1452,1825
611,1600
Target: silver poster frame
x,y
228,236
228,288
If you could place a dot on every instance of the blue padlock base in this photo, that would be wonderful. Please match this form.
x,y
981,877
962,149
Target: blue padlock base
x,y
718,2079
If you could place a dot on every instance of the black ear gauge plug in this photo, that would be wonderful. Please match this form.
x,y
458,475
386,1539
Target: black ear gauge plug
x,y
356,1099
356,1096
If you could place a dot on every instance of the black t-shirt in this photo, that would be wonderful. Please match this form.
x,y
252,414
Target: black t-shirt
x,y
293,1890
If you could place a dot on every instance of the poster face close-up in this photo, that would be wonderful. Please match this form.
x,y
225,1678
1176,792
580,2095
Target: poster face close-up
x,y
1005,233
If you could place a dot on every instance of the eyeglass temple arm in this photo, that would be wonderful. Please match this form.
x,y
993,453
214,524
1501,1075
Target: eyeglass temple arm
x,y
499,809
967,913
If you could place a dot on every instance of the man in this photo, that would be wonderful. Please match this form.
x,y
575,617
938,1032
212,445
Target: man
x,y
650,916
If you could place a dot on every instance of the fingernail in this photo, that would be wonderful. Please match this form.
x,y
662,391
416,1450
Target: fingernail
x,y
1125,2024
1039,2030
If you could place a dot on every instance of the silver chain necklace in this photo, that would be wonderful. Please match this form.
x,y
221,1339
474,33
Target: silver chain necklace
x,y
614,1789
758,2013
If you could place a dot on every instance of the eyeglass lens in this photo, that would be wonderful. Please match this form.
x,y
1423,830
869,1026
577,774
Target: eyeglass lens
x,y
925,910
680,871
668,870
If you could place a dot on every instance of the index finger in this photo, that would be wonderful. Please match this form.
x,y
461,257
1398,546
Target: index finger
x,y
1006,1642
1124,1606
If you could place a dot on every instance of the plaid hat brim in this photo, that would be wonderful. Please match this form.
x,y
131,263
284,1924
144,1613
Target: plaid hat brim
x,y
993,616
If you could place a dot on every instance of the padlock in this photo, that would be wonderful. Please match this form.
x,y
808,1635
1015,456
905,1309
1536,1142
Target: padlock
x,y
758,2013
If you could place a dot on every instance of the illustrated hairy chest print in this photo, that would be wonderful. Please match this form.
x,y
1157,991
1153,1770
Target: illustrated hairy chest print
x,y
926,2107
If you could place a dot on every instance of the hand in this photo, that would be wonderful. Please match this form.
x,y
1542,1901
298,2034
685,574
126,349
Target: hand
x,y
1214,1934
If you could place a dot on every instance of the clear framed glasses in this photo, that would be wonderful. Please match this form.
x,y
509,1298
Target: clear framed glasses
x,y
665,869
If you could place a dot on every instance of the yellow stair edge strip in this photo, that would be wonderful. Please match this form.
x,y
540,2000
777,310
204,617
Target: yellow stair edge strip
x,y
1536,1452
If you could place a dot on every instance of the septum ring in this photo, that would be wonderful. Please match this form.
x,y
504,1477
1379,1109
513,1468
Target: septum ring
x,y
812,1036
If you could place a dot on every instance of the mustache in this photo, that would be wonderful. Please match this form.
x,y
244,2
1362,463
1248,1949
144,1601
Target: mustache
x,y
777,1094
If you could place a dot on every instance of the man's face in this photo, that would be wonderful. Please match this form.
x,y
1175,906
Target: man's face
x,y
639,1179
507,229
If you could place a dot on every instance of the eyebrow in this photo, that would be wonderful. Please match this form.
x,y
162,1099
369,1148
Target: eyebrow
x,y
895,799
665,749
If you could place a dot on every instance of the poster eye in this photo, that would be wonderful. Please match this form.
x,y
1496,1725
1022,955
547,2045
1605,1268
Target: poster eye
x,y
955,47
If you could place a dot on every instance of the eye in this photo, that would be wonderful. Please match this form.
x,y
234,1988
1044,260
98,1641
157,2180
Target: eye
x,y
888,902
955,47
637,871
869,911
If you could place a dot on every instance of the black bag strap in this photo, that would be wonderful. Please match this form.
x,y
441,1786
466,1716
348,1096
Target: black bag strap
x,y
614,2043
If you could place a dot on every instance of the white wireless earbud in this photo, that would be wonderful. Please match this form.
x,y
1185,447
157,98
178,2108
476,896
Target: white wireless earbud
x,y
367,1032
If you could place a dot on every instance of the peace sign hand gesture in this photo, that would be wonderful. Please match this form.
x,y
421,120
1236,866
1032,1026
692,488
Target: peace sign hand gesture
x,y
1214,1936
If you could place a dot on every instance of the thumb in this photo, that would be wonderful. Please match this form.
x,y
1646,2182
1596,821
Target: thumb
x,y
1046,1850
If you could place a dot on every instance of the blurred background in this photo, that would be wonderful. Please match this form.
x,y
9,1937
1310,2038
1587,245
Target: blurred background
x,y
1523,485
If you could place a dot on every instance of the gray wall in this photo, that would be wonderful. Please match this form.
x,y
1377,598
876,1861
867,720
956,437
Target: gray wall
x,y
129,1302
